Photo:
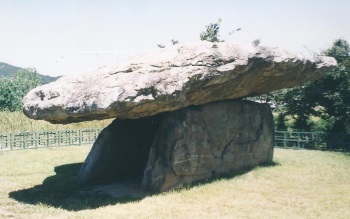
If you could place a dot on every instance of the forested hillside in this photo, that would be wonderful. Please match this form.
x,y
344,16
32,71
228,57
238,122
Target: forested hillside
x,y
7,70
16,82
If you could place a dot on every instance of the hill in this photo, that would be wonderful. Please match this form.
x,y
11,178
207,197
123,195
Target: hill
x,y
7,70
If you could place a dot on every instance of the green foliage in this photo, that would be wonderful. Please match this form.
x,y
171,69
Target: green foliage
x,y
211,33
280,122
13,89
340,51
256,42
335,88
7,70
328,98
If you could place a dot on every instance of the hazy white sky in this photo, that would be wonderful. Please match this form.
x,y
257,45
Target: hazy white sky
x,y
69,37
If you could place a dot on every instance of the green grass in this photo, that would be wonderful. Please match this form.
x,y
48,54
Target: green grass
x,y
18,122
304,184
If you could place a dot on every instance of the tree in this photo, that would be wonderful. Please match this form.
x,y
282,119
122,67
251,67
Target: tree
x,y
327,98
211,33
13,89
298,104
256,42
335,88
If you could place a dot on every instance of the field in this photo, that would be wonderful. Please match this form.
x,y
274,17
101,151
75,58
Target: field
x,y
18,122
302,184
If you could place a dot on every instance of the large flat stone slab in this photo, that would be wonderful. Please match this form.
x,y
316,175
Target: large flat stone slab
x,y
170,79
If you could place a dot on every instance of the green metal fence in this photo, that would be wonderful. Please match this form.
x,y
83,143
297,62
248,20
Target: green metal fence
x,y
41,139
297,139
312,140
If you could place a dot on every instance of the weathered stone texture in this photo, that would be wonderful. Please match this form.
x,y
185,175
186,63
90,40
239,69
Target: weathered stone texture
x,y
209,141
170,79
187,145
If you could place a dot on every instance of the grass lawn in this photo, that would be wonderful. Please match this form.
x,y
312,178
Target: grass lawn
x,y
303,184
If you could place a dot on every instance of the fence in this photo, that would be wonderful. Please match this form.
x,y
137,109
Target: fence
x,y
312,140
40,139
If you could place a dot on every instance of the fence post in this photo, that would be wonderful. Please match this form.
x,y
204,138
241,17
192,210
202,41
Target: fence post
x,y
24,140
58,138
47,139
284,139
11,141
36,140
79,136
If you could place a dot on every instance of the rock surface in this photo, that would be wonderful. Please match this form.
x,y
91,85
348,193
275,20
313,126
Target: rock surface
x,y
184,146
170,79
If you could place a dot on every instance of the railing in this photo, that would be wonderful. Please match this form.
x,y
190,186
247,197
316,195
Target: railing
x,y
312,140
41,139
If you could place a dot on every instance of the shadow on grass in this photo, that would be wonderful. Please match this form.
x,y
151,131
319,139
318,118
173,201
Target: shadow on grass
x,y
63,191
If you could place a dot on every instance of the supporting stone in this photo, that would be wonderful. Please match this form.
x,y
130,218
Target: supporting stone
x,y
120,151
209,141
185,146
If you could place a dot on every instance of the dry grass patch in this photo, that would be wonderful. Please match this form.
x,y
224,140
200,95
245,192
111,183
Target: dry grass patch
x,y
18,122
304,184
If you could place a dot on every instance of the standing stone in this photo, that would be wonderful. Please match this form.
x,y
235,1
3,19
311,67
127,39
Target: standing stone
x,y
210,141
182,147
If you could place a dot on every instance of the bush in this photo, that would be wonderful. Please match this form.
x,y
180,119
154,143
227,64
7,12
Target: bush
x,y
13,89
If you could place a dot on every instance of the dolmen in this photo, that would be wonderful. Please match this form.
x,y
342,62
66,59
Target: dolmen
x,y
180,114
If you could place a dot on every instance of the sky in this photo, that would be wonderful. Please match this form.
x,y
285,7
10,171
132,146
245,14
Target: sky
x,y
71,37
